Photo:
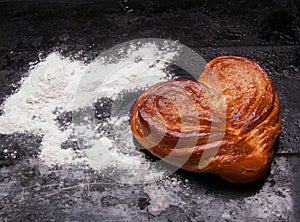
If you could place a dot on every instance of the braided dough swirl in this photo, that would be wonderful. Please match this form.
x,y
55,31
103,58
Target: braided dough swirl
x,y
231,113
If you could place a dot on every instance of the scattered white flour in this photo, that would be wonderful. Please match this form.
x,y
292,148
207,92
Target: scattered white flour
x,y
164,193
132,68
57,85
49,87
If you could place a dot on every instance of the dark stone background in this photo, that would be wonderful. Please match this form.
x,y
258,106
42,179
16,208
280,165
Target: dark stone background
x,y
266,31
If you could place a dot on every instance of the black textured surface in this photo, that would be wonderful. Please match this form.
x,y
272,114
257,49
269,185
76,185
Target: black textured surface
x,y
266,31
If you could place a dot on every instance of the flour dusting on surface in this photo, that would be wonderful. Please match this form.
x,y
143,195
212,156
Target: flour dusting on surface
x,y
58,85
47,91
164,193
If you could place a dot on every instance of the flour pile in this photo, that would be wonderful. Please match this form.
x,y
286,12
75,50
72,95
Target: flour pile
x,y
58,85
48,89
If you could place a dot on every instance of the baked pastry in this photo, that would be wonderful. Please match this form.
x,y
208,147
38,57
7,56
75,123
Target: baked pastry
x,y
226,123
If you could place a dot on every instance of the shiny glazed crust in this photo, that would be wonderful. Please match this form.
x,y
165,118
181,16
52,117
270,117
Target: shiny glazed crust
x,y
225,124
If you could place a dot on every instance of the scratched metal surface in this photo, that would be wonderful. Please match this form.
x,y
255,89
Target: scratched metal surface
x,y
267,32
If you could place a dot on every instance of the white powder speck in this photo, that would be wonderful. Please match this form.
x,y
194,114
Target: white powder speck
x,y
164,193
118,121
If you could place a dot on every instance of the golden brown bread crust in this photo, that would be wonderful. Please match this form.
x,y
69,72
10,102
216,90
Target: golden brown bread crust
x,y
225,124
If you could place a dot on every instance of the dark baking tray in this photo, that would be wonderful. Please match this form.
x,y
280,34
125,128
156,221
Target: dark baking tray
x,y
266,31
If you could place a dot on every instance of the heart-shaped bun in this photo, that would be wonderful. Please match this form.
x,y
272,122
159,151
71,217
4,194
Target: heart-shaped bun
x,y
225,124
